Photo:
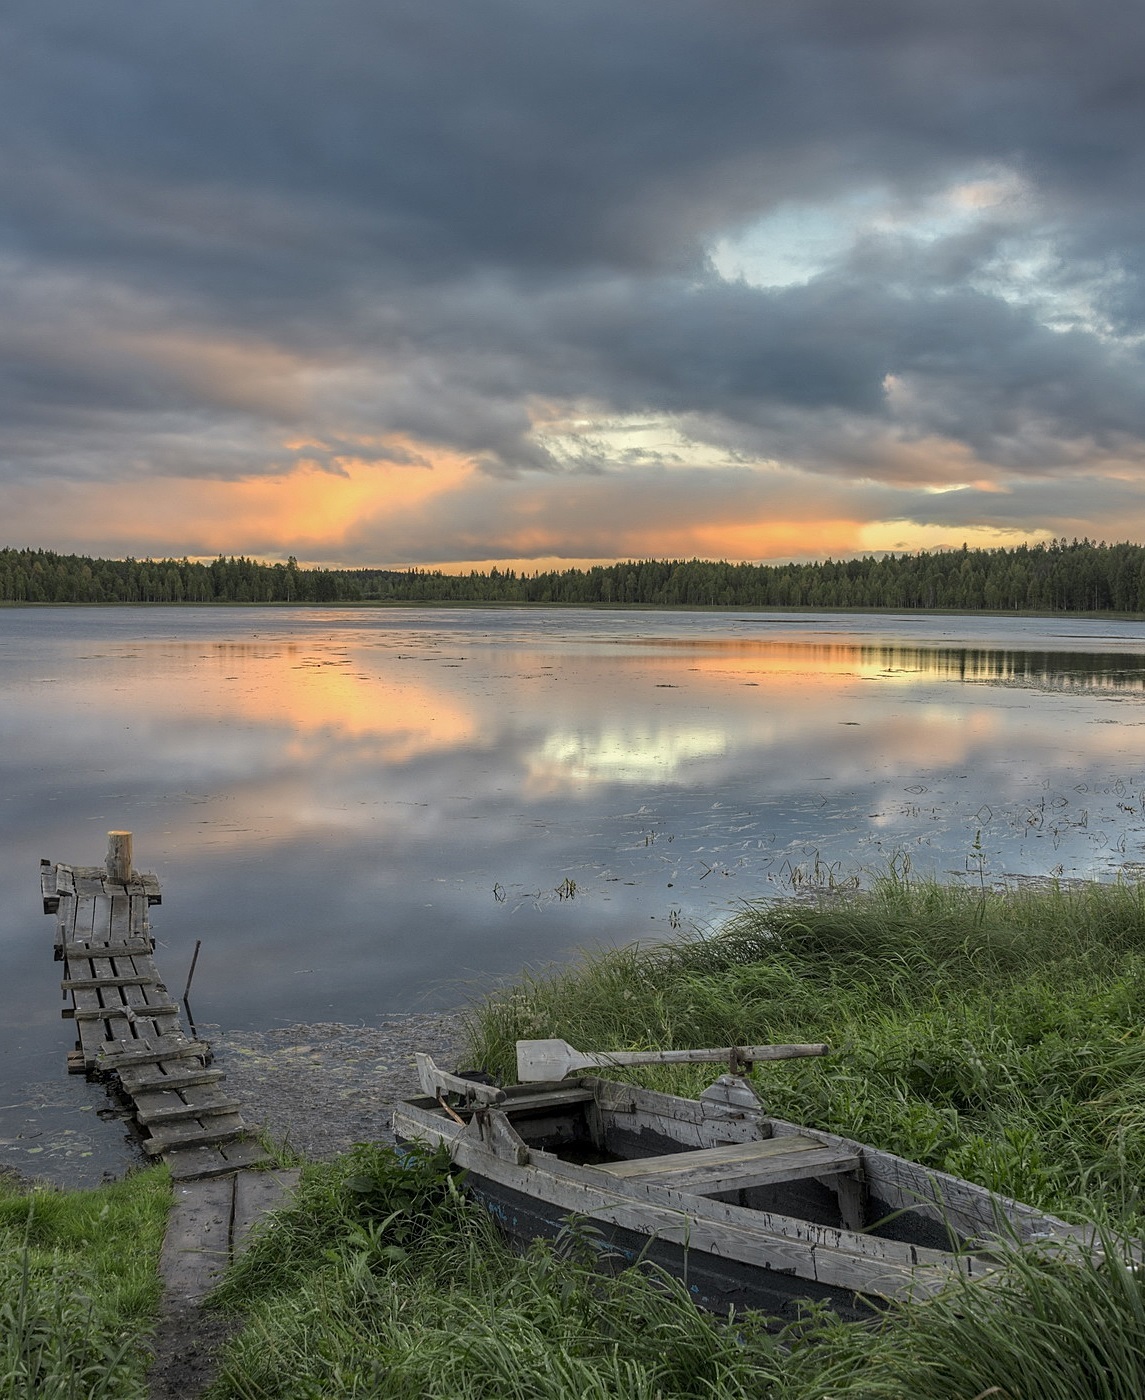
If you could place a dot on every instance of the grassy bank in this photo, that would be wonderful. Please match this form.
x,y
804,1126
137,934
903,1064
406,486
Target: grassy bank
x,y
998,1037
78,1288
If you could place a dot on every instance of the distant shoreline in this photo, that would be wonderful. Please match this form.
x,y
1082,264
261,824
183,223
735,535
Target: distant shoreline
x,y
497,605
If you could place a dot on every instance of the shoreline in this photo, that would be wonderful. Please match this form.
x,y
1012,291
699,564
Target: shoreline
x,y
317,1088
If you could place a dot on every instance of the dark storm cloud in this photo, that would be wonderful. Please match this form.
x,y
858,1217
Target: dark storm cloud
x,y
225,225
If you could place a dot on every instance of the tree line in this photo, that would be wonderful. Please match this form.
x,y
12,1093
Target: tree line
x,y
1063,576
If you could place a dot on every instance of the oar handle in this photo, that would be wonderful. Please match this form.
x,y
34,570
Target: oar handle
x,y
744,1053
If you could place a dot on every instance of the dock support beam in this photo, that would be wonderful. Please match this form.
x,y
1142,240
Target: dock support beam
x,y
119,856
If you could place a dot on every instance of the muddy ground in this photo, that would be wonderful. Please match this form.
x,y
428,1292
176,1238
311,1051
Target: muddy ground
x,y
319,1088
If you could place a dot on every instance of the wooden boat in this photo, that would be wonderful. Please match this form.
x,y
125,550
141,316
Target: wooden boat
x,y
749,1210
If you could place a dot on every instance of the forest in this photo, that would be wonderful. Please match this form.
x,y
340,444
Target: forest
x,y
1062,576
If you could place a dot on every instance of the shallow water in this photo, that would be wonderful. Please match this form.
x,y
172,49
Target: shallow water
x,y
362,812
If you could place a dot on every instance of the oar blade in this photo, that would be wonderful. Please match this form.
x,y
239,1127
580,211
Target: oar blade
x,y
539,1060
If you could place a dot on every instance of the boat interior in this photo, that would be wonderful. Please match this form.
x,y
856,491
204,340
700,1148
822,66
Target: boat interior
x,y
718,1147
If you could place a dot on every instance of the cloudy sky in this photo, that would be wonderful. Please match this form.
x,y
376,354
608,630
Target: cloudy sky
x,y
446,282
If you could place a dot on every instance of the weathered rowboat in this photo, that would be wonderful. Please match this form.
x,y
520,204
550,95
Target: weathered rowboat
x,y
749,1210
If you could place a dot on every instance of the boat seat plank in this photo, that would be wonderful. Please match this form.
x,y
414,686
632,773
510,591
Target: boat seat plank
x,y
544,1098
738,1166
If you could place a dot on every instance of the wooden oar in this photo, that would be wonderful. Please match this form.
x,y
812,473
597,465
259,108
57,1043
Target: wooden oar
x,y
553,1059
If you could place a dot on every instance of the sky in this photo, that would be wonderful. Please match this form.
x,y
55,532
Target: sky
x,y
539,283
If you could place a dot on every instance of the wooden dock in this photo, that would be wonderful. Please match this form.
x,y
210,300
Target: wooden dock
x,y
128,1027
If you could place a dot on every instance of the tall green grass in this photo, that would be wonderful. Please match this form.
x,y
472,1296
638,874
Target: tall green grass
x,y
78,1288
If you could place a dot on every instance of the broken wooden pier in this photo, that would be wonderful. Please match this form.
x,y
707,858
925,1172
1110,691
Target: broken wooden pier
x,y
128,1027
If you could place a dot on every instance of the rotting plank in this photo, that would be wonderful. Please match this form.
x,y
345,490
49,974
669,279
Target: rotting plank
x,y
211,1222
167,1106
197,1132
139,1079
188,1163
157,1119
84,984
87,948
197,1245
173,1046
256,1194
129,1013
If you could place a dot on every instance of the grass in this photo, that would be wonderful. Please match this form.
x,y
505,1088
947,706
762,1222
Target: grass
x,y
75,1303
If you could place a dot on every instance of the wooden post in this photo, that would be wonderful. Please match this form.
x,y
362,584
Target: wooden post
x,y
119,856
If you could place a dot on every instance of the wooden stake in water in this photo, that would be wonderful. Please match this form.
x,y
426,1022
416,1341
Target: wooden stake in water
x,y
194,960
119,856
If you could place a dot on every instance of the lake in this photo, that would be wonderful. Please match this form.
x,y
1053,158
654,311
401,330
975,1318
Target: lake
x,y
368,811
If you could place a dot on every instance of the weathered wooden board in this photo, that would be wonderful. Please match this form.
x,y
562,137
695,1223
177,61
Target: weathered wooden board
x,y
197,1246
737,1166
168,1013
83,984
89,948
188,1163
169,1105
137,1079
211,1222
194,1132
256,1195
436,1081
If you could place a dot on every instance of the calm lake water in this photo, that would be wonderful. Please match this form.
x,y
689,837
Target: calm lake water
x,y
362,812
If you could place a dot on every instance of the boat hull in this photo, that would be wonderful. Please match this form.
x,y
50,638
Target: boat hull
x,y
716,1284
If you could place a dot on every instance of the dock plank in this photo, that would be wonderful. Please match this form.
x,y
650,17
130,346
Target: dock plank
x,y
256,1195
197,1246
140,1079
83,984
195,1132
169,1105
89,948
187,1163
